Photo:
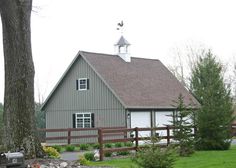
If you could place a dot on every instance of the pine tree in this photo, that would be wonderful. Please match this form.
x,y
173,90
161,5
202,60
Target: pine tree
x,y
183,132
215,115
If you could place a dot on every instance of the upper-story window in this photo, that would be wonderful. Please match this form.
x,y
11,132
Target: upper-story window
x,y
82,84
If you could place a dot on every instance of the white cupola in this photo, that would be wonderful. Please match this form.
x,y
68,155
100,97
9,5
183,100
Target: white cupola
x,y
122,49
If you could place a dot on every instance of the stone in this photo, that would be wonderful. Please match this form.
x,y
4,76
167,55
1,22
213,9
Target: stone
x,y
96,155
63,164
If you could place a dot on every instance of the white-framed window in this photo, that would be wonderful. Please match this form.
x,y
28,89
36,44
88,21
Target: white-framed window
x,y
83,120
82,84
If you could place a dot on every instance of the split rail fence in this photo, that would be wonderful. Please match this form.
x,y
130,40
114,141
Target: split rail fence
x,y
108,134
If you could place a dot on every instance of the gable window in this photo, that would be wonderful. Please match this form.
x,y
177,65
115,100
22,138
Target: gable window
x,y
83,120
82,84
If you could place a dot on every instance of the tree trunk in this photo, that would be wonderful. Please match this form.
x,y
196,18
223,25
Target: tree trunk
x,y
19,118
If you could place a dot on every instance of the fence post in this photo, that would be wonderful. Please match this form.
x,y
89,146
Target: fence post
x,y
69,136
136,137
168,134
100,141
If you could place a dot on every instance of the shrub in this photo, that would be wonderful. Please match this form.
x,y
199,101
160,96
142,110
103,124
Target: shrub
x,y
123,153
108,154
108,145
89,156
154,156
51,152
84,146
96,146
118,145
58,148
70,148
83,161
128,144
183,131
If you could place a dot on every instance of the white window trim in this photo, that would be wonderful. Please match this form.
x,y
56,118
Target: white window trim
x,y
86,83
76,125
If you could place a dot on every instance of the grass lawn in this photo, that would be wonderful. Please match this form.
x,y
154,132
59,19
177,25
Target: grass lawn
x,y
200,159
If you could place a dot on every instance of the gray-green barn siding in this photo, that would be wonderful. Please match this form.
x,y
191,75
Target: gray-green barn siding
x,y
66,101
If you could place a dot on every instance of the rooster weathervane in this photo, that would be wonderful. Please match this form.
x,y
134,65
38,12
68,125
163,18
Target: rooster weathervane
x,y
120,26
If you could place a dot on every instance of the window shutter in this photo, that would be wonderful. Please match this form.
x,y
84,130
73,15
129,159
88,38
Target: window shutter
x,y
74,121
77,84
87,84
92,120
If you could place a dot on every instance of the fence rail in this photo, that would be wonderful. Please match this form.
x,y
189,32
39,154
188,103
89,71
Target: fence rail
x,y
124,135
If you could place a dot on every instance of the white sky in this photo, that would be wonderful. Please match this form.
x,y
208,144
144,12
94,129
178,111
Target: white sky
x,y
60,28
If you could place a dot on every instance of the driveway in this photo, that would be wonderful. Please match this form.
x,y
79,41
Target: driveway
x,y
71,156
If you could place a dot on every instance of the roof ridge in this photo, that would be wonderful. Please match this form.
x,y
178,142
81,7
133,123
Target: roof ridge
x,y
98,53
104,54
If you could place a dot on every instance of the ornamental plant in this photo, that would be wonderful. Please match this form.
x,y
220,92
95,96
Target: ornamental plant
x,y
51,152
153,156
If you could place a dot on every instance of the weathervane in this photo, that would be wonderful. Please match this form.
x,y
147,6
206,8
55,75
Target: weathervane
x,y
120,26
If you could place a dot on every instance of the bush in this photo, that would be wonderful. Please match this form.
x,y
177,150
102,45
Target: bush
x,y
89,156
123,153
128,144
96,146
118,145
108,145
84,146
51,152
58,148
83,161
108,154
154,156
70,148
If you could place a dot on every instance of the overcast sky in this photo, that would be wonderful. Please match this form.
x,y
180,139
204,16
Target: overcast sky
x,y
60,28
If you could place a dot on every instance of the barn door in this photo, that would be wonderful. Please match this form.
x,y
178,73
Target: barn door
x,y
141,120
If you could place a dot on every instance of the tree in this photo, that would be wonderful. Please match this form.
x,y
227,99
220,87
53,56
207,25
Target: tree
x,y
183,122
1,120
19,118
184,59
215,114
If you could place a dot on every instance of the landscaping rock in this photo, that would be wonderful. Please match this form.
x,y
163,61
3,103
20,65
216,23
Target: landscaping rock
x,y
55,163
63,164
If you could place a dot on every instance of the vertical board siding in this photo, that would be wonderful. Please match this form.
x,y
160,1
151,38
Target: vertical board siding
x,y
99,100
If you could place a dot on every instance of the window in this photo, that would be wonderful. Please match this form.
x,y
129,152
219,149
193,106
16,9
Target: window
x,y
82,84
83,120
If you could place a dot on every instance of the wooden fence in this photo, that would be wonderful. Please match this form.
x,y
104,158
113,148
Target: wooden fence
x,y
123,134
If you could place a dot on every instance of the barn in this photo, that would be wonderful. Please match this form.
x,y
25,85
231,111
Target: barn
x,y
104,90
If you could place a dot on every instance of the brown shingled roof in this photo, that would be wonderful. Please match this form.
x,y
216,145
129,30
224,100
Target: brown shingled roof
x,y
141,83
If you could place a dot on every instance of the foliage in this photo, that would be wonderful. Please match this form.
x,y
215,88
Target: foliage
x,y
108,145
84,146
118,145
215,115
200,159
123,153
1,121
128,144
40,116
96,146
51,152
83,161
183,132
40,120
58,148
89,156
70,148
107,154
153,156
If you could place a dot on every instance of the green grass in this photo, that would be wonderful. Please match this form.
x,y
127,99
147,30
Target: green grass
x,y
200,159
